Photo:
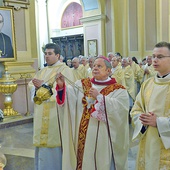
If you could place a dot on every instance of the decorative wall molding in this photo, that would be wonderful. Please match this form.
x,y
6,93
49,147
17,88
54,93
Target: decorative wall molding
x,y
20,70
17,4
93,18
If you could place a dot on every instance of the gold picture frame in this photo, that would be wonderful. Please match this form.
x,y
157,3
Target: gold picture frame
x,y
7,35
92,47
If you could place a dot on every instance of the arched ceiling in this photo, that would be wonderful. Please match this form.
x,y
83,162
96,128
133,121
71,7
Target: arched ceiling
x,y
90,4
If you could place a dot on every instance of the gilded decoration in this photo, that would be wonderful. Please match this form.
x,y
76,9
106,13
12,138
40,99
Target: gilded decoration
x,y
8,86
45,125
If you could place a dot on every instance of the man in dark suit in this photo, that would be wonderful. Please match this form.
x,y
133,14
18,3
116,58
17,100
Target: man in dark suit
x,y
6,50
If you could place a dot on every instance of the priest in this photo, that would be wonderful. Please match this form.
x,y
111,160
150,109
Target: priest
x,y
48,118
151,114
95,132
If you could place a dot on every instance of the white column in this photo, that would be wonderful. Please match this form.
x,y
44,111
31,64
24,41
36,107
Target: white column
x,y
42,28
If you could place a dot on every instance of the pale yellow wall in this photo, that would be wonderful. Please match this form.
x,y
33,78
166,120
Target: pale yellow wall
x,y
131,27
137,26
120,25
33,28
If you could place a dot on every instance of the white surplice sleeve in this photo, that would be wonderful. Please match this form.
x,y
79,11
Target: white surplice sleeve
x,y
32,90
99,112
163,124
138,126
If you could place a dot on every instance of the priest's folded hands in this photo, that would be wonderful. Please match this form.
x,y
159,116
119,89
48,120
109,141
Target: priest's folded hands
x,y
148,119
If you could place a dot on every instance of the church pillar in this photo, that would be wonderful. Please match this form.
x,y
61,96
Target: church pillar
x,y
42,28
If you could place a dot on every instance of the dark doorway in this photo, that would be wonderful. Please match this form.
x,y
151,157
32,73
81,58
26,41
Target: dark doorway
x,y
71,46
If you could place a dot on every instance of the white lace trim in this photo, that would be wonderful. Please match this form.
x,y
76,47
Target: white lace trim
x,y
99,112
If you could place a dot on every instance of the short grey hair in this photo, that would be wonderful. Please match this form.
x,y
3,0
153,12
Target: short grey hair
x,y
76,59
110,53
107,63
126,59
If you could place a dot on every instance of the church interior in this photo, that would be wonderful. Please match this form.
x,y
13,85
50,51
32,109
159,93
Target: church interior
x,y
79,27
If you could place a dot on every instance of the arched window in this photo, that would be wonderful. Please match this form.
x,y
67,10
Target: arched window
x,y
71,16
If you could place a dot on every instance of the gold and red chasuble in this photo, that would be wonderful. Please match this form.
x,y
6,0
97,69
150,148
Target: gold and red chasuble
x,y
86,83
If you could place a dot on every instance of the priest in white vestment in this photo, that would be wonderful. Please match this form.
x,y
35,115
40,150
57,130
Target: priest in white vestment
x,y
151,114
148,68
96,131
48,118
79,71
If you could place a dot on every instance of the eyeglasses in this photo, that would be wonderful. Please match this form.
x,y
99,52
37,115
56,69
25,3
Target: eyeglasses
x,y
159,57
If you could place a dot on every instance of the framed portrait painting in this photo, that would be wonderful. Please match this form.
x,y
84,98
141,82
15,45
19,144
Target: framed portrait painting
x,y
92,47
7,35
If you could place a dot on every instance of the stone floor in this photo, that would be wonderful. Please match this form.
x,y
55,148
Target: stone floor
x,y
16,144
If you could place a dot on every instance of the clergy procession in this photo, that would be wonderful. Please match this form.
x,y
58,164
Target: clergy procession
x,y
83,111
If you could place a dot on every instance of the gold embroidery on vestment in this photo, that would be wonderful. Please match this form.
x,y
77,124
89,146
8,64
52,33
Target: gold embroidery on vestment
x,y
45,124
86,83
